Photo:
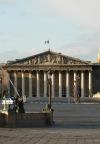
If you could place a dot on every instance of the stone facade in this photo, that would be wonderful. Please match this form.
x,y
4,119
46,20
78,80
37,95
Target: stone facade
x,y
30,75
96,77
3,80
37,119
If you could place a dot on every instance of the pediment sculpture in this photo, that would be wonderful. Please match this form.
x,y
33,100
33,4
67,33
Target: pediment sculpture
x,y
51,59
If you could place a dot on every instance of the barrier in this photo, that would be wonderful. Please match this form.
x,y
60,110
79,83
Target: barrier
x,y
36,119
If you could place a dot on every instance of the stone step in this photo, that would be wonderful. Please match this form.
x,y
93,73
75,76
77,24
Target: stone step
x,y
77,119
77,125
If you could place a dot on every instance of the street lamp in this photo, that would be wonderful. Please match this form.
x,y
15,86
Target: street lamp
x,y
49,75
1,87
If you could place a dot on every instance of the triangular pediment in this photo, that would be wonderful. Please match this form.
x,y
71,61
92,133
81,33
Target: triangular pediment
x,y
49,57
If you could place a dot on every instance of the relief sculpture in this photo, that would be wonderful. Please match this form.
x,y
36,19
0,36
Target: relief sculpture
x,y
35,60
45,59
58,59
51,58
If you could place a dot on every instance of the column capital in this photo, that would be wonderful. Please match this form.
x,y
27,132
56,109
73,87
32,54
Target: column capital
x,y
75,71
16,71
90,71
52,71
60,71
83,70
68,71
37,71
30,72
45,71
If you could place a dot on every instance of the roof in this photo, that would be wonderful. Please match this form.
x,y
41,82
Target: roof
x,y
48,57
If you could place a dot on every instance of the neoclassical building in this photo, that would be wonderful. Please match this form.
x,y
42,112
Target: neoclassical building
x,y
30,75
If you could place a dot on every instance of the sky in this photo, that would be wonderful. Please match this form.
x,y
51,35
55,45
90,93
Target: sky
x,y
71,26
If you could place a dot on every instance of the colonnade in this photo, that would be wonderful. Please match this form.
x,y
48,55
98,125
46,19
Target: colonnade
x,y
67,79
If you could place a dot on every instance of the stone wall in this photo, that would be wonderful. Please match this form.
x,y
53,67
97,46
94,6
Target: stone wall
x,y
2,120
26,119
96,78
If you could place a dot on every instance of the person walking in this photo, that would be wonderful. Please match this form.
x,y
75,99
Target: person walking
x,y
78,94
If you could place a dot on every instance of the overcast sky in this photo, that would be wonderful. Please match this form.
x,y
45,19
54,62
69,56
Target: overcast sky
x,y
72,26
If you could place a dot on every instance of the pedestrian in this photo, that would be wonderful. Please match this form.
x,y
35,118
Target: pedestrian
x,y
15,104
78,94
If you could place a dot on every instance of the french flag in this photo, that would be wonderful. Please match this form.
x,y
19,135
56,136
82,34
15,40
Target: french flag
x,y
47,42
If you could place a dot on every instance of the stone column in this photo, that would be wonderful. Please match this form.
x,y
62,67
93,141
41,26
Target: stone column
x,y
53,86
67,84
60,84
45,84
75,85
82,84
75,76
30,84
38,84
8,79
90,83
23,84
15,83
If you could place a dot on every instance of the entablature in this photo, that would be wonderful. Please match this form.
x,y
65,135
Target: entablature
x,y
46,67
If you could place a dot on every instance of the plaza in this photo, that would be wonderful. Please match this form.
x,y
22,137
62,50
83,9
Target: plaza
x,y
49,136
74,124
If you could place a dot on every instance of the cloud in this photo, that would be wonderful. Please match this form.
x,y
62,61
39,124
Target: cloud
x,y
85,12
12,55
9,55
85,47
83,15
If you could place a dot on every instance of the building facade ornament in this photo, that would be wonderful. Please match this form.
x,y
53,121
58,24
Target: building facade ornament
x,y
33,70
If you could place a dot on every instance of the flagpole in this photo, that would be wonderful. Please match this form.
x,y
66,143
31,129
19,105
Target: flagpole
x,y
48,42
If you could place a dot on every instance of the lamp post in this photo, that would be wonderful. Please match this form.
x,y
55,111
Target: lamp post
x,y
1,87
49,74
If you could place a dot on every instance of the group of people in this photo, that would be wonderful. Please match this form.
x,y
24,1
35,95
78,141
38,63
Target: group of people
x,y
18,104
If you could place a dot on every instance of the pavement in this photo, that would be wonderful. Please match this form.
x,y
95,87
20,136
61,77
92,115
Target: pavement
x,y
49,136
74,124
